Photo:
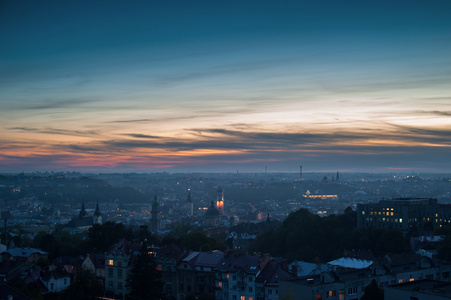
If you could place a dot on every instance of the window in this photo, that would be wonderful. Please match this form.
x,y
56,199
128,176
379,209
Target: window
x,y
110,284
270,291
234,277
341,296
243,298
319,297
52,286
110,272
65,281
250,279
119,273
234,297
159,267
101,273
119,263
119,285
250,289
110,262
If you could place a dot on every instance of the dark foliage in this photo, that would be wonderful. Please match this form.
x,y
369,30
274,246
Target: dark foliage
x,y
100,237
373,292
144,280
306,236
86,286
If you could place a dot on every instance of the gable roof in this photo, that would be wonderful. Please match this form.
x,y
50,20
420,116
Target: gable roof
x,y
232,262
24,252
272,273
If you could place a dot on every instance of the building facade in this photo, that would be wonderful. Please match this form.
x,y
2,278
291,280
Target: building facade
x,y
118,262
195,274
403,214
345,284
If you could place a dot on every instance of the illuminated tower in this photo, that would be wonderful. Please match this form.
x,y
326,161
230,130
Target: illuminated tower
x,y
155,215
220,201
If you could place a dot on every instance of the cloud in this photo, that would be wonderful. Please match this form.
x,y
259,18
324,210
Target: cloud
x,y
142,136
56,131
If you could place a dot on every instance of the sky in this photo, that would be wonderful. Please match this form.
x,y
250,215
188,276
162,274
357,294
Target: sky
x,y
225,86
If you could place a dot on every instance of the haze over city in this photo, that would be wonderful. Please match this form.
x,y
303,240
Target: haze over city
x,y
211,86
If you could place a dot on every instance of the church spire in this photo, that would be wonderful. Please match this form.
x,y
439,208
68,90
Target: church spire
x,y
83,212
97,212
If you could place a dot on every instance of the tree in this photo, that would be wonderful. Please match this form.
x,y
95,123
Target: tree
x,y
86,286
144,280
102,236
373,292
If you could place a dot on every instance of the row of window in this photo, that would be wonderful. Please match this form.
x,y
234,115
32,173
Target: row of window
x,y
119,286
119,273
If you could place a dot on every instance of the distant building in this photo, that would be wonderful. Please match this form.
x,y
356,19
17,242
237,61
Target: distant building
x,y
403,214
155,221
83,221
97,217
189,205
212,216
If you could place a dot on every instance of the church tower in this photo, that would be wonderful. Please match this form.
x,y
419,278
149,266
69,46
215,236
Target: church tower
x,y
83,212
155,216
189,204
97,217
220,201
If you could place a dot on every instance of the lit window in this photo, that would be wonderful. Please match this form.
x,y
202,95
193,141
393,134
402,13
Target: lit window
x,y
363,212
243,298
341,297
391,214
400,220
110,262
220,284
159,268
412,279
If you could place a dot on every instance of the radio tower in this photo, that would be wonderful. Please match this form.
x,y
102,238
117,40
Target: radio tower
x,y
300,173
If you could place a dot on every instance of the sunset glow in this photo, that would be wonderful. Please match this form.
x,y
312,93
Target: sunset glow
x,y
220,87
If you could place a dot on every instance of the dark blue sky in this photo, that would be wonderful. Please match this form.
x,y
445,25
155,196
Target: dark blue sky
x,y
225,85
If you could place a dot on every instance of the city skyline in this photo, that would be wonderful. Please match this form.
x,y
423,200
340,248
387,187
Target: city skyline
x,y
178,86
